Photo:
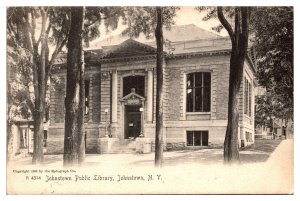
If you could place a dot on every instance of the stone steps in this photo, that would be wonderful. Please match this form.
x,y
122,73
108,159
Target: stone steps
x,y
124,146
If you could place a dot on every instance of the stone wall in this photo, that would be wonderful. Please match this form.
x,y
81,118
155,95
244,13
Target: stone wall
x,y
55,141
178,68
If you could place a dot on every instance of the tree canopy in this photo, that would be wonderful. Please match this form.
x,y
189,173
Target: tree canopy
x,y
273,35
144,20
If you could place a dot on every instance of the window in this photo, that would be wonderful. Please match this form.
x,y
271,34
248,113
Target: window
x,y
197,138
247,97
86,98
137,82
45,138
198,92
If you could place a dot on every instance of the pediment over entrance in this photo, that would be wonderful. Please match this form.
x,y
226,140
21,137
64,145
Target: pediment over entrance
x,y
130,48
133,98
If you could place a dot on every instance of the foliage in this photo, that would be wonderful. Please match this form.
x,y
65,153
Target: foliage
x,y
95,16
18,96
36,35
271,30
273,39
143,20
264,110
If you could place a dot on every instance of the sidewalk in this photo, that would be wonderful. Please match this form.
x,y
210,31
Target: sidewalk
x,y
281,163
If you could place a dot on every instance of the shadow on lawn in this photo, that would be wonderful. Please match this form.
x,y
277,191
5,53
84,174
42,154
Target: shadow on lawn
x,y
213,156
260,151
256,153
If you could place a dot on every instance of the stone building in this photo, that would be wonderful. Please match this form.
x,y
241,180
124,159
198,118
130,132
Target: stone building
x,y
120,85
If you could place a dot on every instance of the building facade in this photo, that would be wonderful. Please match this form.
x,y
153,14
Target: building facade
x,y
120,85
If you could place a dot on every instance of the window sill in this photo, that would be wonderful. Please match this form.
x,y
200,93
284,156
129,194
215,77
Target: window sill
x,y
197,146
197,113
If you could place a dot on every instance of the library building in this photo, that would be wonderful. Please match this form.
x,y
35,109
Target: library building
x,y
120,85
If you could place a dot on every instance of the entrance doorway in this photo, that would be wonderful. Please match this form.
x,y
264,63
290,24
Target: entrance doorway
x,y
132,121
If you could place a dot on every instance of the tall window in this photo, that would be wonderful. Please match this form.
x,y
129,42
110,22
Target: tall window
x,y
247,97
197,138
87,95
198,92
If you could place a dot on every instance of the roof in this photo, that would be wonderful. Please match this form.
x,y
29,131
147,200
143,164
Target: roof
x,y
133,48
177,33
179,42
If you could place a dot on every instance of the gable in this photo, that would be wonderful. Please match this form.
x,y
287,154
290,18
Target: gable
x,y
133,98
129,48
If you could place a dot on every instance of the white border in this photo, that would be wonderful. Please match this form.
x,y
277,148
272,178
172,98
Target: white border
x,y
6,3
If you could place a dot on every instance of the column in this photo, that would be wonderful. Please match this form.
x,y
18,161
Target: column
x,y
91,99
114,101
150,96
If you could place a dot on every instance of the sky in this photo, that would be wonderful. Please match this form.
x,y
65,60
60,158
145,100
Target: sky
x,y
186,15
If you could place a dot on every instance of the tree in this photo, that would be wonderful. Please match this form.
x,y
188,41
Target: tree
x,y
238,32
239,39
74,102
273,36
149,21
84,27
41,32
159,88
35,29
18,105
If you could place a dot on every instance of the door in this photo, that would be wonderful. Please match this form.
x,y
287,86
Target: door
x,y
132,122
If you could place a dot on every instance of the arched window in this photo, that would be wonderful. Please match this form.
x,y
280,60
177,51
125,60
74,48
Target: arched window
x,y
137,82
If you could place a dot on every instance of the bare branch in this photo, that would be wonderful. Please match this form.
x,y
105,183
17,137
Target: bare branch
x,y
11,29
226,24
237,22
44,21
54,55
48,29
32,28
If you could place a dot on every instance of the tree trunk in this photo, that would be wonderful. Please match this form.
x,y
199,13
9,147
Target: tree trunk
x,y
80,118
73,142
10,140
40,97
38,155
231,149
239,40
159,90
